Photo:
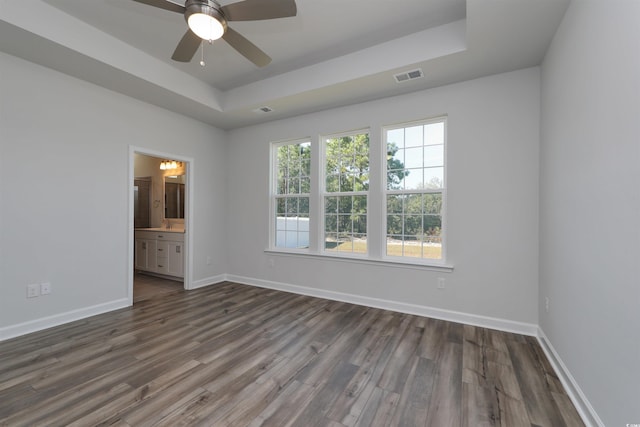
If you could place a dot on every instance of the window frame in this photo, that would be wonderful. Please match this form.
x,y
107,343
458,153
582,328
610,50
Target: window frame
x,y
323,194
274,195
443,190
376,213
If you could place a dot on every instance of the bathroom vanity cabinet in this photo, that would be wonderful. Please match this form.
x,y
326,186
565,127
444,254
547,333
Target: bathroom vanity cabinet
x,y
160,252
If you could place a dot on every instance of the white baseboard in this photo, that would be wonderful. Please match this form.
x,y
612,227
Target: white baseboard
x,y
402,307
59,319
208,281
580,401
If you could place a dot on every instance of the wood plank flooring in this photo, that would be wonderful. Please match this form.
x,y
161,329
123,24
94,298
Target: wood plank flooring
x,y
235,355
146,286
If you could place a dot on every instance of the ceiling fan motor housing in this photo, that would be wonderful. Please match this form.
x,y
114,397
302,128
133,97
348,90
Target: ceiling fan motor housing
x,y
206,7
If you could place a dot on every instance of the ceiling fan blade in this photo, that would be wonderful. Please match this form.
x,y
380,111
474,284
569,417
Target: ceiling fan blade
x,y
255,10
163,4
187,47
246,48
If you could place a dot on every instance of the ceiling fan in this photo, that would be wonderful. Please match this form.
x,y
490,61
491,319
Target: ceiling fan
x,y
207,21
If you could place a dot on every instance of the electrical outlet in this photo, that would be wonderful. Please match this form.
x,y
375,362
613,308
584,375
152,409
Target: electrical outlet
x,y
33,290
440,282
45,288
546,304
272,262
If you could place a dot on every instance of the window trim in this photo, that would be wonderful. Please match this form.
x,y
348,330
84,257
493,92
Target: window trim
x,y
273,194
322,194
376,245
384,192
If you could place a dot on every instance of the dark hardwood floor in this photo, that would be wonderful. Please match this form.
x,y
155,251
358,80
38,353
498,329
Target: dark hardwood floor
x,y
147,286
237,355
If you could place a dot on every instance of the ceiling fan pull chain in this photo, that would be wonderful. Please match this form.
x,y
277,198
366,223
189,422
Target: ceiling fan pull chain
x,y
202,63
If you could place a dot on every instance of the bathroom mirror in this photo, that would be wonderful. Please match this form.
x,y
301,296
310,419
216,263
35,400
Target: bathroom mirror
x,y
174,190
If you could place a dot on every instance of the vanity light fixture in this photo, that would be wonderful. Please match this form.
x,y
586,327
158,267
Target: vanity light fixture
x,y
169,164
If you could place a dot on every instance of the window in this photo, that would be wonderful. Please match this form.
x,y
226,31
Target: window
x,y
377,197
415,189
346,172
291,188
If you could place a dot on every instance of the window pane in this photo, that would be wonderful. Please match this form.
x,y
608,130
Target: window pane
x,y
345,204
394,224
331,242
394,203
291,239
305,185
306,167
346,182
281,206
413,203
292,206
434,155
360,224
394,245
395,156
396,136
331,224
331,204
303,239
395,179
413,226
412,248
413,158
432,250
345,246
413,179
432,225
360,243
433,203
303,206
305,150
332,183
281,185
434,133
413,136
433,177
345,226
359,204
361,183
293,186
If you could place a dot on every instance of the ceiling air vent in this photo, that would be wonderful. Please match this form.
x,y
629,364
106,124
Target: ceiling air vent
x,y
262,110
408,75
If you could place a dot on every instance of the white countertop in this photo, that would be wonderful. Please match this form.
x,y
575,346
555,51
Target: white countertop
x,y
162,229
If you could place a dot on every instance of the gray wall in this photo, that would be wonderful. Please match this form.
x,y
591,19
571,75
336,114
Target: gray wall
x,y
493,144
64,153
590,203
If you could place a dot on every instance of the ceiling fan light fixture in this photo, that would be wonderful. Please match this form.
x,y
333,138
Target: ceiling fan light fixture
x,y
205,19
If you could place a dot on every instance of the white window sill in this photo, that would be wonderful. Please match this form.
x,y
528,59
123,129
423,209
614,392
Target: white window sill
x,y
363,259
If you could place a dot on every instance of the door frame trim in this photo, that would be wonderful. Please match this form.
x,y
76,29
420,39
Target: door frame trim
x,y
188,217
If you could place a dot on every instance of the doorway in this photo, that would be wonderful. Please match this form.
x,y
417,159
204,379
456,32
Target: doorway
x,y
159,223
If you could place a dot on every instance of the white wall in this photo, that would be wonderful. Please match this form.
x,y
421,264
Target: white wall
x,y
64,198
590,203
493,138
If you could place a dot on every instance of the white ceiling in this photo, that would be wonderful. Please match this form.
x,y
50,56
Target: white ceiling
x,y
333,53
